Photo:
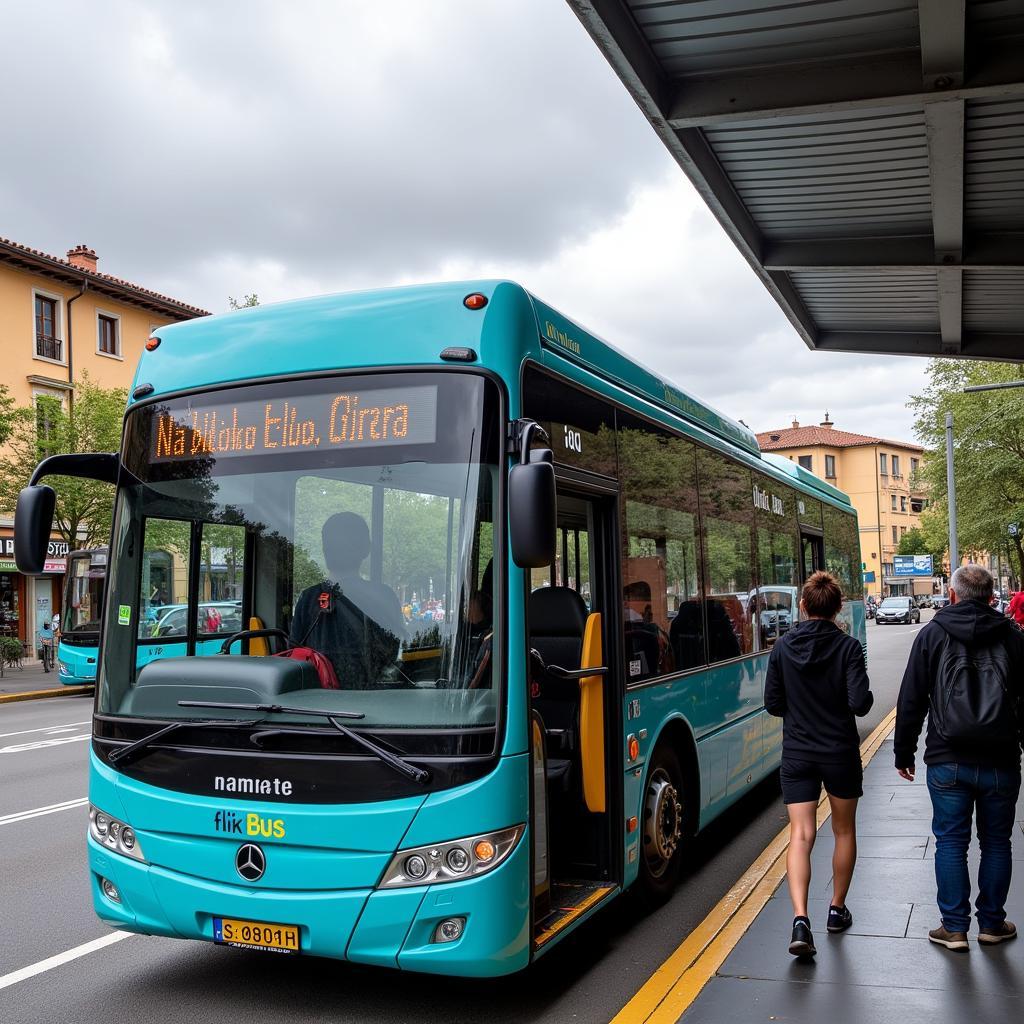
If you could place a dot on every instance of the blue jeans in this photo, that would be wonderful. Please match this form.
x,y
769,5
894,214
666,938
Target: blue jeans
x,y
957,790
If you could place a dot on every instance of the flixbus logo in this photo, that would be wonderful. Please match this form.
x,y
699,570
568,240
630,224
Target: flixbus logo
x,y
248,825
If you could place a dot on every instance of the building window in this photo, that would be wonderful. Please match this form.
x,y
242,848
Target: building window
x,y
892,498
914,463
895,465
830,467
883,464
917,505
804,460
48,343
895,538
903,503
903,531
108,341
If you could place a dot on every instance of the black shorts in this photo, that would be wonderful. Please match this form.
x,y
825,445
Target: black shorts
x,y
802,780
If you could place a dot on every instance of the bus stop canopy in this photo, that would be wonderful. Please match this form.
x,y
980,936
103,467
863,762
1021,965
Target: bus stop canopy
x,y
866,156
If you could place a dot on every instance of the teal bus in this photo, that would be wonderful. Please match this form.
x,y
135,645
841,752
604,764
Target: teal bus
x,y
78,647
504,605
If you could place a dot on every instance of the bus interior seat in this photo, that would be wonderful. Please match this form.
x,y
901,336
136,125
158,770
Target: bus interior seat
x,y
558,620
258,646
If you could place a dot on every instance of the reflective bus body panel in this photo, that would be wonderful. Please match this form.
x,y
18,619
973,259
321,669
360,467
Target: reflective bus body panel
x,y
323,872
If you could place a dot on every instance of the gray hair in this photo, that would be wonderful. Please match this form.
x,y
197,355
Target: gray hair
x,y
972,583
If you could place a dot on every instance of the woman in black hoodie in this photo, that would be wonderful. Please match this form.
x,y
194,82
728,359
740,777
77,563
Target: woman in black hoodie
x,y
817,683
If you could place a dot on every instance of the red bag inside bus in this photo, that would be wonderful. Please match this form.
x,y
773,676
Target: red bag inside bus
x,y
324,669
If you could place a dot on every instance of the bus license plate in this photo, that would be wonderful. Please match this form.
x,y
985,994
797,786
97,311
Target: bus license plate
x,y
276,938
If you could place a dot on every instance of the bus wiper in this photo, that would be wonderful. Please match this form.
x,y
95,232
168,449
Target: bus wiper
x,y
134,750
410,771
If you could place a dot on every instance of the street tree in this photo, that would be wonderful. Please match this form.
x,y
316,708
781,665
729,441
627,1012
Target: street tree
x,y
84,507
916,542
7,408
988,433
244,302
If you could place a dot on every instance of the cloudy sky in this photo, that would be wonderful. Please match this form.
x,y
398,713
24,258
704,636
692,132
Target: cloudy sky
x,y
208,148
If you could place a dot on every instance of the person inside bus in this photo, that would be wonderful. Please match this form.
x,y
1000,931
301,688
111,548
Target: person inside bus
x,y
817,683
355,623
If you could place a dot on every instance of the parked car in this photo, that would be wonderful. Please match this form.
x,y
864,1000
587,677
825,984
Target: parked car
x,y
939,601
898,609
923,600
216,617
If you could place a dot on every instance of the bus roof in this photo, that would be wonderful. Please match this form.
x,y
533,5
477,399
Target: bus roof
x,y
410,325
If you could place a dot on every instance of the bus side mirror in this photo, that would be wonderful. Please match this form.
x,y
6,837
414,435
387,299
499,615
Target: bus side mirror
x,y
33,522
531,513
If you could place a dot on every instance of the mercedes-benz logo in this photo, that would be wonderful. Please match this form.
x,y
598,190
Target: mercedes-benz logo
x,y
250,862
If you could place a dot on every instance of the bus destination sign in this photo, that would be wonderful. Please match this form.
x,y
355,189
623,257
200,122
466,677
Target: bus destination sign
x,y
333,420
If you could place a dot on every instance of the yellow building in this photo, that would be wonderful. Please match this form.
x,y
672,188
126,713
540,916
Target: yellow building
x,y
58,318
881,478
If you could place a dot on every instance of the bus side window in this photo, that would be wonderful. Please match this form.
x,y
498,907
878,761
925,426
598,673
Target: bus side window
x,y
727,526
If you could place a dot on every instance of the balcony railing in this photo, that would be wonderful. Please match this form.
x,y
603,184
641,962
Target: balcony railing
x,y
49,348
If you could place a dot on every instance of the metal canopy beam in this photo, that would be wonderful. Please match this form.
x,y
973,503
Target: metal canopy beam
x,y
893,80
981,252
976,345
942,65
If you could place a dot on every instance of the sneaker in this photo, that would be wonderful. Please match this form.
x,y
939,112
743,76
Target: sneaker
x,y
951,940
802,943
839,919
992,937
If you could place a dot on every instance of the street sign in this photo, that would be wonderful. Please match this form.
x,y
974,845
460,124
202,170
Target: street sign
x,y
912,565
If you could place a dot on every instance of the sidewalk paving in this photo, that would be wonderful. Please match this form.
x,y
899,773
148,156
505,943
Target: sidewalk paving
x,y
30,677
884,969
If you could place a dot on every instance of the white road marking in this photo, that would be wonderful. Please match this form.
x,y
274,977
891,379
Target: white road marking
x,y
38,812
62,958
48,728
17,748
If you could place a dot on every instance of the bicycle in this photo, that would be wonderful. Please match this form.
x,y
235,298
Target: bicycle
x,y
46,655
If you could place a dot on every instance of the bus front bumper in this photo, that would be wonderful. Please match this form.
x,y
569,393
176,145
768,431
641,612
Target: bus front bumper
x,y
385,927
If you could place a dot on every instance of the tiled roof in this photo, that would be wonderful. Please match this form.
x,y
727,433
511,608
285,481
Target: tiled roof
x,y
55,265
809,437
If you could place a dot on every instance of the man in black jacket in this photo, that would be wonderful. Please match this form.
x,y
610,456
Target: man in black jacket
x,y
964,775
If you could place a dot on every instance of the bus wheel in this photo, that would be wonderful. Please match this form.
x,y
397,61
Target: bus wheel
x,y
663,824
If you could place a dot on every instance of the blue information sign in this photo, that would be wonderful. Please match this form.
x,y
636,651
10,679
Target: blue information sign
x,y
912,565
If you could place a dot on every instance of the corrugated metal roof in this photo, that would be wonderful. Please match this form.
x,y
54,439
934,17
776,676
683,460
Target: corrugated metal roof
x,y
866,156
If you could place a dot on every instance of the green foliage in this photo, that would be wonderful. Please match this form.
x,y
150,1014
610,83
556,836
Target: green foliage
x,y
916,541
988,435
244,302
10,650
7,408
92,424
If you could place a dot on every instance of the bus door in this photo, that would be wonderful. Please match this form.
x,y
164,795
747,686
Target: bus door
x,y
571,617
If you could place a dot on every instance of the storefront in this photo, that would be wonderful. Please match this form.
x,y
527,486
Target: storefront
x,y
26,602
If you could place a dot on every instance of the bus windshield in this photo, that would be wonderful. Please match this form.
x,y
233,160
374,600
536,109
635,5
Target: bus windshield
x,y
83,595
353,515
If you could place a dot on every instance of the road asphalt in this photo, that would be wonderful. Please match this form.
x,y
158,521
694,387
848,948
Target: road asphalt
x,y
46,910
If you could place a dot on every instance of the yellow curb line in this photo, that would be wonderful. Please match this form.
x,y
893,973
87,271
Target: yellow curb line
x,y
64,691
667,994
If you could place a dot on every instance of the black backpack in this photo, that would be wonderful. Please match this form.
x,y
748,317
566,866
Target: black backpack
x,y
971,700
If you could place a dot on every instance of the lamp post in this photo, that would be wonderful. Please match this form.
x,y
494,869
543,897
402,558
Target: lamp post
x,y
954,551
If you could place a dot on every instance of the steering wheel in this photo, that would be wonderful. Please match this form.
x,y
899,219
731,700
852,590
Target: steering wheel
x,y
252,634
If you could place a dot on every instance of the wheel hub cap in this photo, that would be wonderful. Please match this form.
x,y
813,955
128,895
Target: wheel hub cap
x,y
663,822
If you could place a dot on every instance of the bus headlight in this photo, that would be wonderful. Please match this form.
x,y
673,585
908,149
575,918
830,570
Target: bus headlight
x,y
63,669
114,835
451,861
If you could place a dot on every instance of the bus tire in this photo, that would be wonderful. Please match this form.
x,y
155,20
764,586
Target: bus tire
x,y
662,828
